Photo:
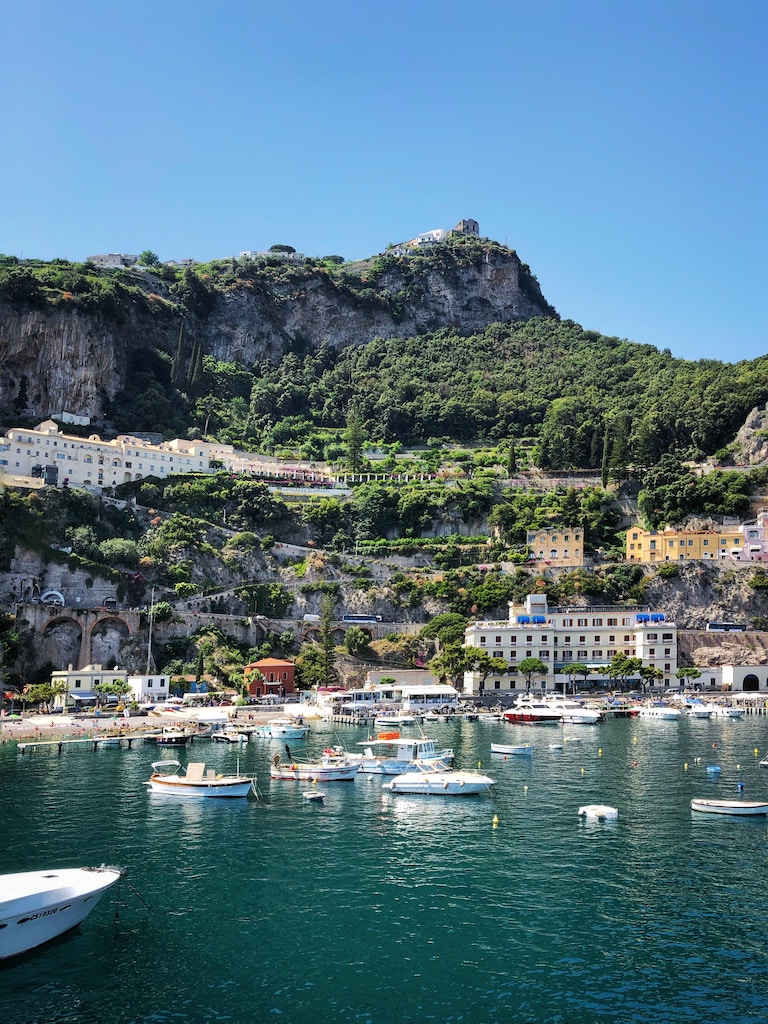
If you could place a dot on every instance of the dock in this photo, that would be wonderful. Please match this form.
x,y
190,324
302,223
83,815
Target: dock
x,y
94,741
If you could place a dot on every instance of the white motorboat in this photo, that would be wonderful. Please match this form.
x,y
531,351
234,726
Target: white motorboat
x,y
229,735
198,781
329,768
426,780
388,719
37,906
519,749
726,711
697,709
283,729
657,710
737,807
573,712
393,754
531,711
598,812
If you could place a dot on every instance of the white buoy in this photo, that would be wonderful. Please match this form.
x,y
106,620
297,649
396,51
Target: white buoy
x,y
598,812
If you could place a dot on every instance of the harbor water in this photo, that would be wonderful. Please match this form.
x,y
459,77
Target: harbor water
x,y
375,908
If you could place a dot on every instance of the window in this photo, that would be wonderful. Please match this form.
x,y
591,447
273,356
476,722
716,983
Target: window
x,y
582,622
611,639
544,655
597,622
582,639
482,639
651,652
581,654
597,654
497,640
529,639
566,639
567,622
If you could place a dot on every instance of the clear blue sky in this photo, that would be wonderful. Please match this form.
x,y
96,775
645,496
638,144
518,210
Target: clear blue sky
x,y
619,147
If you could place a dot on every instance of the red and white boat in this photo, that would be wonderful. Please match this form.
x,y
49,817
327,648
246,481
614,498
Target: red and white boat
x,y
530,711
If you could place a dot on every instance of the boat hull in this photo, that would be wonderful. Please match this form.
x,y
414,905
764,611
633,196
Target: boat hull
x,y
30,917
179,787
734,807
440,784
314,772
519,750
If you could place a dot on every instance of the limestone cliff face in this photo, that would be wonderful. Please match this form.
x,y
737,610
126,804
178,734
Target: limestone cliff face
x,y
751,446
57,357
248,324
61,359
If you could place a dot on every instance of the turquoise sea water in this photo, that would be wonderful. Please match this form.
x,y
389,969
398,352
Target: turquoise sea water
x,y
374,908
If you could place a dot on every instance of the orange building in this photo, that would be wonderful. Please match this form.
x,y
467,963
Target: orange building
x,y
270,677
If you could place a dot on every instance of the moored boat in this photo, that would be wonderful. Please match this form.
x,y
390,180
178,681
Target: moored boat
x,y
197,781
283,729
658,710
530,711
519,749
426,781
735,807
326,769
37,906
395,754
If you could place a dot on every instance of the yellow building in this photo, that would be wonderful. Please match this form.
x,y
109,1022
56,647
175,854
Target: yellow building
x,y
670,545
556,546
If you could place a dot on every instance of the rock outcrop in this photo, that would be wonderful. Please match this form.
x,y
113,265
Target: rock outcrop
x,y
58,357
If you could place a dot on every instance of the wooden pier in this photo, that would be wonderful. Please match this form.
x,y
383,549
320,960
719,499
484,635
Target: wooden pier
x,y
94,741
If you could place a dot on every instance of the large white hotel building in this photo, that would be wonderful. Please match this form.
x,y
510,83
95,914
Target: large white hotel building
x,y
560,637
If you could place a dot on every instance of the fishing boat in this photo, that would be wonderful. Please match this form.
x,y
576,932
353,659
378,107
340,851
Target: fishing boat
x,y
427,780
327,769
37,906
392,754
737,807
197,781
514,749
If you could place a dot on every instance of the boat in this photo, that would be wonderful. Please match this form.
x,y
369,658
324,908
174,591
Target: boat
x,y
530,711
736,807
229,735
764,762
573,712
726,711
283,729
313,795
37,906
598,812
428,780
511,748
171,736
197,781
327,769
697,709
400,718
392,754
659,711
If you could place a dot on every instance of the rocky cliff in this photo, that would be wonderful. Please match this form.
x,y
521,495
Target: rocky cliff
x,y
59,352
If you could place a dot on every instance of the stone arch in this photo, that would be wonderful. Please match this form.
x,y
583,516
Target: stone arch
x,y
750,683
61,640
105,639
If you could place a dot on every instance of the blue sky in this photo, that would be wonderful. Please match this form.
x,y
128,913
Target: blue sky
x,y
618,147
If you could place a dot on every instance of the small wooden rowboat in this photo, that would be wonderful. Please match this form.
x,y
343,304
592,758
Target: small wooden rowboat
x,y
737,807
